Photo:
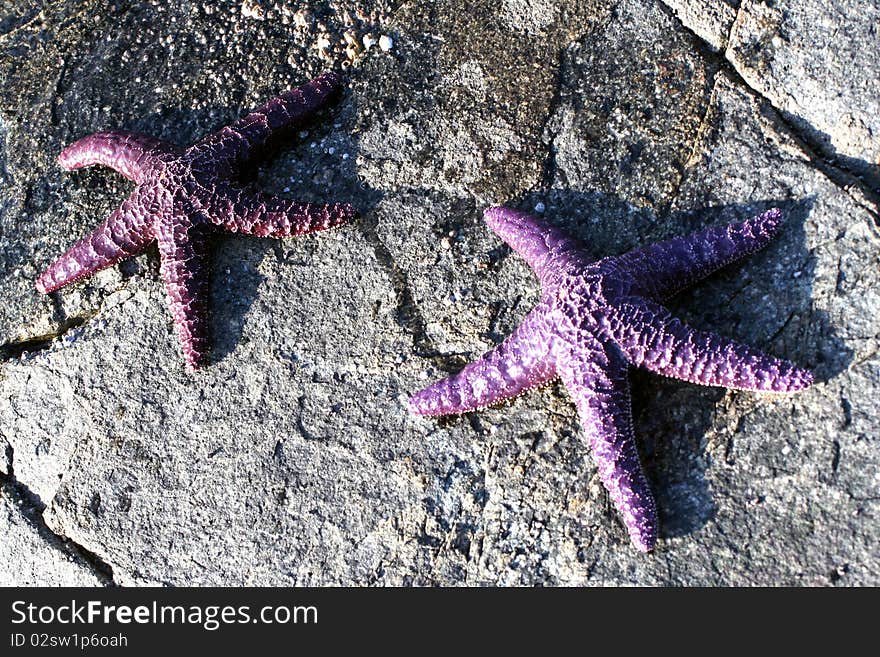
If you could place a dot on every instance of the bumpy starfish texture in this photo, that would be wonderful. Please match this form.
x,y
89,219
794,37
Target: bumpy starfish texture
x,y
595,319
182,195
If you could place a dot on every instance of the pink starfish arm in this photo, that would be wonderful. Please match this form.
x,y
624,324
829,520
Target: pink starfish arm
x,y
250,136
652,338
184,254
666,268
129,153
521,362
255,213
599,385
125,233
535,240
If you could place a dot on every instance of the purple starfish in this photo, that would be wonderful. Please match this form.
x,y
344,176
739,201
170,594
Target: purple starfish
x,y
596,319
183,195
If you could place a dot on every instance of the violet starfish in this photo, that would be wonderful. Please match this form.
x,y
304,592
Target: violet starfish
x,y
182,195
596,319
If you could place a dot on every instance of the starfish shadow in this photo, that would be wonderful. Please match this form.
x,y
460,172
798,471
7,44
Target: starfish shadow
x,y
672,418
864,173
303,168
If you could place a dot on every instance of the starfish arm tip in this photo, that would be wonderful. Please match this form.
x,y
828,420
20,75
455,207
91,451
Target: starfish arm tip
x,y
783,378
641,521
493,213
331,79
644,544
444,397
533,238
195,353
504,220
346,213
131,154
56,276
773,214
800,379
193,365
268,216
70,156
318,218
64,160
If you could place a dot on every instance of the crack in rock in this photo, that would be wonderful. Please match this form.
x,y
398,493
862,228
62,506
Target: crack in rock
x,y
32,511
828,163
15,349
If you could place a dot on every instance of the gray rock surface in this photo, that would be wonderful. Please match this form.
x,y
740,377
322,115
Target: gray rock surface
x,y
815,61
32,555
710,19
292,459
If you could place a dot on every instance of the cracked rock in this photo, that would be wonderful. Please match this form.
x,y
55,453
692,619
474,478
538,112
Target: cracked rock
x,y
32,555
292,459
711,20
815,61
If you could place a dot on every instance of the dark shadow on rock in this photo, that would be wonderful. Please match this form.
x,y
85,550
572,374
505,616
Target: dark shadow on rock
x,y
868,173
31,509
301,169
672,417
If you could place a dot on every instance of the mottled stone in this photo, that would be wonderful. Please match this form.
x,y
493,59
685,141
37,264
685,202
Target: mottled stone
x,y
32,555
293,458
460,113
633,92
817,62
709,19
814,61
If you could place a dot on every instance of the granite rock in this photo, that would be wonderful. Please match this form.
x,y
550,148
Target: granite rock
x,y
32,555
710,20
814,61
291,459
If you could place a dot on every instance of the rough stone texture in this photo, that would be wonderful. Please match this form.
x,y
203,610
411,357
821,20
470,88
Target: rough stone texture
x,y
33,556
815,61
291,459
710,19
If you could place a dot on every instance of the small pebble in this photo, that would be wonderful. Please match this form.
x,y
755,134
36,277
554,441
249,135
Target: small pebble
x,y
369,41
386,43
540,207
